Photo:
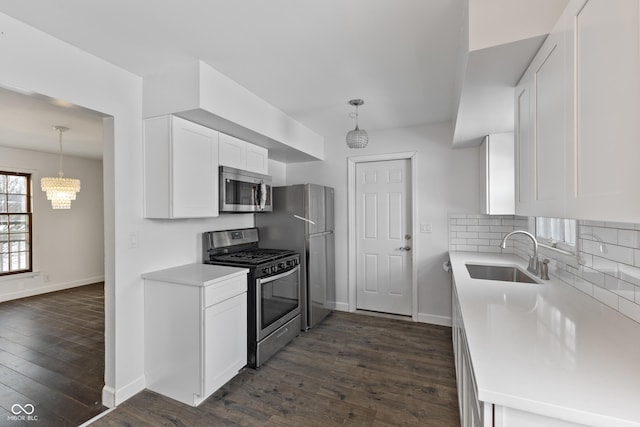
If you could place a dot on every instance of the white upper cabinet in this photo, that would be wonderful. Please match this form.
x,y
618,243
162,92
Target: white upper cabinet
x,y
577,150
524,149
549,127
497,174
604,177
180,169
240,154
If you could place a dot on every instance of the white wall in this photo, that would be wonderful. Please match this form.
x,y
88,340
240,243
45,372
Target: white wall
x,y
35,61
68,245
447,182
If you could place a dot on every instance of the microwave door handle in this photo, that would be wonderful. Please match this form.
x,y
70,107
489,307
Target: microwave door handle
x,y
262,196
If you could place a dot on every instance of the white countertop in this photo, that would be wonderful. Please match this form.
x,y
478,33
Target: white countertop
x,y
195,274
549,349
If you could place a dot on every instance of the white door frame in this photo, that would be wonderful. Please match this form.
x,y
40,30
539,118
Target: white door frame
x,y
351,212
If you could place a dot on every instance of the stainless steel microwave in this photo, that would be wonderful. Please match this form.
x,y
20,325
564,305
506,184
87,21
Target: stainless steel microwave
x,y
244,191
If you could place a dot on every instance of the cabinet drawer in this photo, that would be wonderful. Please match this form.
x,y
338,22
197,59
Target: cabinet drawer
x,y
224,290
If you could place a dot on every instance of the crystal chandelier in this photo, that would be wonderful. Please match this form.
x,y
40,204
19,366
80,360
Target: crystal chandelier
x,y
357,138
61,191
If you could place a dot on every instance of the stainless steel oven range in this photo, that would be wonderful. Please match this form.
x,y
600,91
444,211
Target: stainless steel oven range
x,y
273,306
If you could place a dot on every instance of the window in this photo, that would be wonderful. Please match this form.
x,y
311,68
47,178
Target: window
x,y
15,223
557,232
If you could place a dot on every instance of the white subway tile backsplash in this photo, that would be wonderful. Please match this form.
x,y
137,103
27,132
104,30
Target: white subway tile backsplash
x,y
492,221
607,235
621,225
620,287
629,238
629,309
467,234
467,248
501,229
593,276
583,285
605,266
490,235
630,274
606,297
609,259
596,223
467,221
479,242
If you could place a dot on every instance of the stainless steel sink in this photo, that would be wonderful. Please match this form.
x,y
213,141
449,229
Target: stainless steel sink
x,y
499,272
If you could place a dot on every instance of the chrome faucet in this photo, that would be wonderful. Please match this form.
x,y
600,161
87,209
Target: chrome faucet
x,y
534,266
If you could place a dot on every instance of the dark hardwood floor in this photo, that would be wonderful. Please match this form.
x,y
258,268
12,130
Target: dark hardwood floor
x,y
351,370
52,357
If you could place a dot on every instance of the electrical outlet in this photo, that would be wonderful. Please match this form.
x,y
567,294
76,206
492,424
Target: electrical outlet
x,y
133,240
425,228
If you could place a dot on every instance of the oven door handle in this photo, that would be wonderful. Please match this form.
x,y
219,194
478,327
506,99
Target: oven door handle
x,y
279,276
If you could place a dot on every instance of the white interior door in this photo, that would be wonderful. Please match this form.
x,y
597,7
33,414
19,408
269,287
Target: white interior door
x,y
383,236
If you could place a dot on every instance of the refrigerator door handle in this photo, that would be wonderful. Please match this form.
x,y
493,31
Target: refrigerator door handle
x,y
304,219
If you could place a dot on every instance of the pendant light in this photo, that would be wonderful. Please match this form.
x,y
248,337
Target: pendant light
x,y
357,138
61,191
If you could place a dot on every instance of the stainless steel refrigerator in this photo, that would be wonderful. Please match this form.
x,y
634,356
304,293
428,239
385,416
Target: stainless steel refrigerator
x,y
302,220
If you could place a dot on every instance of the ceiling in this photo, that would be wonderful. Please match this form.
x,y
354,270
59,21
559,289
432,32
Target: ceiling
x,y
27,121
305,57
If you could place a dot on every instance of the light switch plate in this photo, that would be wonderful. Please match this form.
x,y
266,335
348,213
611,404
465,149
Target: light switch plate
x,y
425,228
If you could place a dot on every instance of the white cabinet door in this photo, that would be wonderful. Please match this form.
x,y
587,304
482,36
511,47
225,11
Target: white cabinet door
x,y
240,154
257,159
603,176
194,170
225,338
473,413
232,152
497,174
180,169
524,152
549,132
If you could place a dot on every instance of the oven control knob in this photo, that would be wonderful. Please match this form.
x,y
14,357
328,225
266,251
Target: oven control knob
x,y
273,268
281,265
266,270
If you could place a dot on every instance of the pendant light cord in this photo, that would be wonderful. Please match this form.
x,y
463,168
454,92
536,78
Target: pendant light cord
x,y
60,130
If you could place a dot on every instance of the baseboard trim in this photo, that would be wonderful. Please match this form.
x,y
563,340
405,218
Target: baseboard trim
x,y
112,397
341,306
24,293
434,319
108,397
129,390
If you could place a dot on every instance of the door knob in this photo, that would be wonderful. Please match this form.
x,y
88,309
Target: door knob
x,y
405,248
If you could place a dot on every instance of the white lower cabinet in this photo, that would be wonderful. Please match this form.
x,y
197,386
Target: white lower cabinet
x,y
195,336
472,411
